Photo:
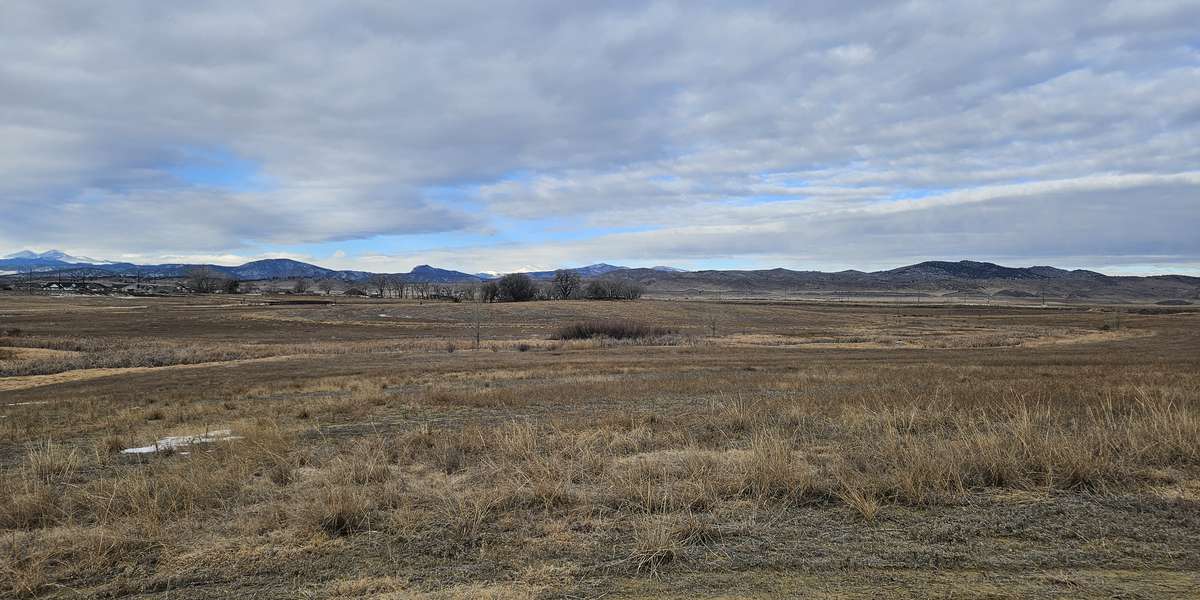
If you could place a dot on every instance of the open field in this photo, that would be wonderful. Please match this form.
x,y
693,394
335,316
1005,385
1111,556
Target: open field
x,y
376,449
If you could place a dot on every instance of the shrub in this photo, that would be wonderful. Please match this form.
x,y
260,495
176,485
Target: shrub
x,y
613,328
517,287
338,510
613,289
49,461
489,291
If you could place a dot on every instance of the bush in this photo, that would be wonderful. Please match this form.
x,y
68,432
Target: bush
x,y
616,329
489,291
517,287
613,289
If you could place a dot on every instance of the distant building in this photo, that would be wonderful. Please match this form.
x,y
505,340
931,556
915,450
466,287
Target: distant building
x,y
154,289
75,287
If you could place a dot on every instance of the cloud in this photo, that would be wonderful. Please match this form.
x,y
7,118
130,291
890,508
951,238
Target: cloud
x,y
765,131
1081,222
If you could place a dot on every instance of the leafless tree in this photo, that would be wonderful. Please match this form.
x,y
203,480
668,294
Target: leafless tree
x,y
379,283
326,286
301,286
489,291
566,284
203,280
614,289
421,289
395,284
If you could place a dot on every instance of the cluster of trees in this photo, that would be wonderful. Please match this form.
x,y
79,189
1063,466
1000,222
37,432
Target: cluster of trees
x,y
613,289
398,286
566,285
514,287
204,280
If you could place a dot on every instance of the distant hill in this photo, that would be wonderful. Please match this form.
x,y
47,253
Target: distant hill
x,y
962,279
272,268
934,278
595,270
426,273
50,259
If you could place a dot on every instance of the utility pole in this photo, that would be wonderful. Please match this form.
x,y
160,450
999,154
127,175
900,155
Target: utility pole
x,y
477,320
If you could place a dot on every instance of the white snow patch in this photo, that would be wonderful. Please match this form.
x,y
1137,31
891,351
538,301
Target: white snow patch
x,y
28,403
183,441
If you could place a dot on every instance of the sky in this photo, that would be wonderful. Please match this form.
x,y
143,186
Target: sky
x,y
511,135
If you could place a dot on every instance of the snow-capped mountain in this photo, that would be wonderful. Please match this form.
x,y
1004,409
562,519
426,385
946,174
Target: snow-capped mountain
x,y
55,255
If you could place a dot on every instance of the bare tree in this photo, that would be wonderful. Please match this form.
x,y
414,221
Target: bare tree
x,y
614,289
395,284
326,285
203,280
489,291
379,283
566,284
421,289
301,286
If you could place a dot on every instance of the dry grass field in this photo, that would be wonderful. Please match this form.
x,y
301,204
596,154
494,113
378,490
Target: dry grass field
x,y
376,449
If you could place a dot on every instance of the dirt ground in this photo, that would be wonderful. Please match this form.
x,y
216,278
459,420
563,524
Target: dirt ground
x,y
397,449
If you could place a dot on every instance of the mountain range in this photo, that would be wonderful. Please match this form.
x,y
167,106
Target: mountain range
x,y
942,278
56,262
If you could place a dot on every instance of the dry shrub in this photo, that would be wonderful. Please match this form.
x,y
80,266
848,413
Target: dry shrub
x,y
31,563
659,542
543,483
619,329
480,397
113,444
739,415
48,462
366,461
28,504
164,488
771,470
459,518
856,494
947,452
669,481
337,510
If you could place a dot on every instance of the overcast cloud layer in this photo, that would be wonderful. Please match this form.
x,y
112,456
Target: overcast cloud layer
x,y
508,135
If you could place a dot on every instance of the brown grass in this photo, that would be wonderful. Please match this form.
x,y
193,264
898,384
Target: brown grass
x,y
611,328
580,467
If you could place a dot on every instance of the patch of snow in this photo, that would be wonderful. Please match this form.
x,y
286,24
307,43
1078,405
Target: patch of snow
x,y
384,316
28,403
183,441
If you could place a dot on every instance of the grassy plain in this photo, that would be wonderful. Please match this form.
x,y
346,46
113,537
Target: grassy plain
x,y
743,449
